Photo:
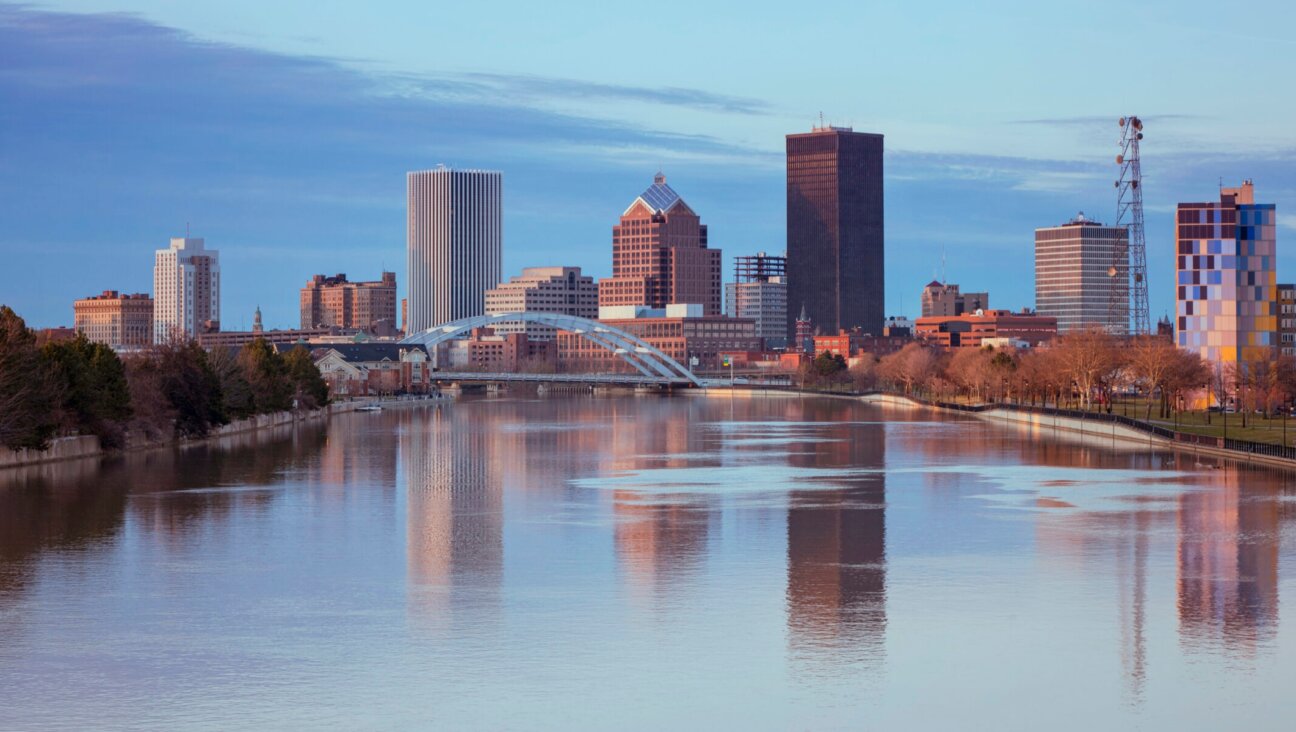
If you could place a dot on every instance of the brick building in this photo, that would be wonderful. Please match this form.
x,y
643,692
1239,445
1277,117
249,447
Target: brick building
x,y
660,255
115,319
336,302
970,330
682,332
373,369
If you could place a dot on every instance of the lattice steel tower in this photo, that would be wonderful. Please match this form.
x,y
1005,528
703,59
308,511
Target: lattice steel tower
x,y
1129,212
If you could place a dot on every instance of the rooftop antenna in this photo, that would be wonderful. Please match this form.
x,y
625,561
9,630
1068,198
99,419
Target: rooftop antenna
x,y
821,123
942,264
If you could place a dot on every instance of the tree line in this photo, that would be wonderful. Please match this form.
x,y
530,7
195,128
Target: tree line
x,y
78,387
1082,370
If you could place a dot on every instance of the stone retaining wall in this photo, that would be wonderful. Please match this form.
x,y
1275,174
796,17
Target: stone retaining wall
x,y
83,446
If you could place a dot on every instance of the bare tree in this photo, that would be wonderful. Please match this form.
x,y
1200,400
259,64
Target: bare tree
x,y
912,366
1151,361
1092,357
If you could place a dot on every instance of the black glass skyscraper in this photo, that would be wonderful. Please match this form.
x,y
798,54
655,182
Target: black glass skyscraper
x,y
835,256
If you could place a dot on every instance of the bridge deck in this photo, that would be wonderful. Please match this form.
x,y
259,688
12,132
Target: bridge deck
x,y
611,379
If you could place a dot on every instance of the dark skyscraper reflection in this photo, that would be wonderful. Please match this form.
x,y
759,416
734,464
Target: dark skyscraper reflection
x,y
836,586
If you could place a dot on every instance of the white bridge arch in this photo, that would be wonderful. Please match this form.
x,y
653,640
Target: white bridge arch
x,y
646,359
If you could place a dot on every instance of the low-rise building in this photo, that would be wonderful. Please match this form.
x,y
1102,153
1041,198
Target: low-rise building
x,y
975,329
848,343
680,331
118,320
240,338
373,369
488,351
939,298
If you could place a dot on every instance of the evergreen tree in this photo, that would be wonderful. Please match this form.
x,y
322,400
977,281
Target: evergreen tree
x,y
90,382
26,401
191,388
310,389
267,374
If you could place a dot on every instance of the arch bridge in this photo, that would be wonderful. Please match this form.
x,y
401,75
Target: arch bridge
x,y
653,365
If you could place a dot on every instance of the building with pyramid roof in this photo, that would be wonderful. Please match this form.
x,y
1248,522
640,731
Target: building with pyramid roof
x,y
660,255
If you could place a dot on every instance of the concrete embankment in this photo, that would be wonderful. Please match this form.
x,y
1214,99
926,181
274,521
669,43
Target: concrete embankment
x,y
1035,425
86,446
1028,424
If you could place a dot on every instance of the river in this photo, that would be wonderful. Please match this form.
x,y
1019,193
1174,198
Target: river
x,y
647,563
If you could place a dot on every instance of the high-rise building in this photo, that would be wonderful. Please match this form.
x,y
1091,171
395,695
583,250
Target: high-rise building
x,y
1081,269
118,320
561,290
759,292
1226,292
333,301
660,255
1286,320
454,242
186,290
836,262
941,299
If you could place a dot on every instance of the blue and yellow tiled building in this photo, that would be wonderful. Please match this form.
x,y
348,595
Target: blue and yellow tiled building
x,y
1226,292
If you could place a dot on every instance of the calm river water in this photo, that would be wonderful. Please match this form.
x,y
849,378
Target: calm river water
x,y
648,563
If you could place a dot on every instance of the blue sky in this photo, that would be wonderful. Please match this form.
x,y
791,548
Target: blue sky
x,y
281,131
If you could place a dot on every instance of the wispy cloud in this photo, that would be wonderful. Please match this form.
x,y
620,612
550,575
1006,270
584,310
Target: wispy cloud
x,y
523,88
1108,119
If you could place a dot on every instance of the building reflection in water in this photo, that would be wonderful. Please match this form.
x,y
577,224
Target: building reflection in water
x,y
1228,563
836,542
455,513
660,540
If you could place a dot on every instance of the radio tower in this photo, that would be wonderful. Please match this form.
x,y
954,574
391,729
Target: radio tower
x,y
1129,211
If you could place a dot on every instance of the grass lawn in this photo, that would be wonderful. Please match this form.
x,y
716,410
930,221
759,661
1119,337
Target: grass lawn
x,y
1258,429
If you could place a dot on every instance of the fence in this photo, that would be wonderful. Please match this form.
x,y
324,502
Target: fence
x,y
1243,446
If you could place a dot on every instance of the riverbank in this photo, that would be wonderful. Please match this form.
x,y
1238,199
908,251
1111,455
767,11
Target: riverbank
x,y
88,446
1036,423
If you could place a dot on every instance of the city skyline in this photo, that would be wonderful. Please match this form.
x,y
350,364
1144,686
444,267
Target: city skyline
x,y
285,200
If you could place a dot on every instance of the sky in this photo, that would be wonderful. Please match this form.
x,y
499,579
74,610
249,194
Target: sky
x,y
281,132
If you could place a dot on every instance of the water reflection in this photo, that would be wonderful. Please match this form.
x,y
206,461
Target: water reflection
x,y
774,553
660,540
1228,565
454,509
836,542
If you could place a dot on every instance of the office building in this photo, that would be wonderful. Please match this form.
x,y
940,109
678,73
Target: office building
x,y
759,293
454,241
1081,270
939,298
1286,320
336,302
988,327
836,262
682,331
562,290
660,255
1226,290
186,290
485,349
118,320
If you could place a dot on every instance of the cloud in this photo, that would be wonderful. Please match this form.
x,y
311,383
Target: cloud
x,y
1096,120
530,88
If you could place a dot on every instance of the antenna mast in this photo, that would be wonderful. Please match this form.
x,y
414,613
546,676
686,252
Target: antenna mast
x,y
1129,212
